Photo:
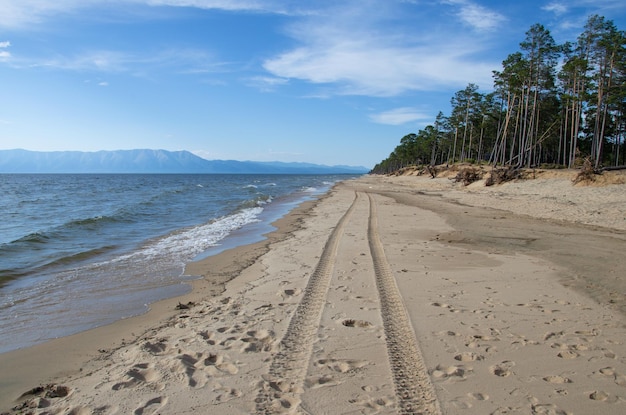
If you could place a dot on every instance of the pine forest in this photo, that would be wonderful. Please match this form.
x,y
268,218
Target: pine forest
x,y
551,105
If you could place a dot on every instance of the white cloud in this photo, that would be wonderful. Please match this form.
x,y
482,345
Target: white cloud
x,y
556,8
210,4
476,16
181,61
266,83
399,116
22,13
346,48
17,13
357,53
378,70
103,83
106,61
5,55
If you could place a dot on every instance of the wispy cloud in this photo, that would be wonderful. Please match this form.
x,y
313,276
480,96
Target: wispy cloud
x,y
556,8
4,54
22,13
378,70
348,49
183,61
233,5
476,16
571,16
266,83
17,13
399,116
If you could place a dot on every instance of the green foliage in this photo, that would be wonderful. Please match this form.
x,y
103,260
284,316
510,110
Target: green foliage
x,y
535,116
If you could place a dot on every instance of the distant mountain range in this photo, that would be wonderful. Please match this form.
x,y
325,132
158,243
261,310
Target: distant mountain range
x,y
150,161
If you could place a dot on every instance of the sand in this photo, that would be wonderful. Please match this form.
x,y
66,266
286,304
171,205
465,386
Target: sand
x,y
388,295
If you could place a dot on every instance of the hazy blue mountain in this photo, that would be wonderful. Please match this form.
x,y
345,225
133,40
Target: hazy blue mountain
x,y
149,161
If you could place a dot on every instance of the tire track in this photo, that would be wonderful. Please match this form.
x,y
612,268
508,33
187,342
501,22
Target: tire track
x,y
280,390
414,390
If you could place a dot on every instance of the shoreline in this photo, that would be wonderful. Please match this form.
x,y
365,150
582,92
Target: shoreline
x,y
78,353
498,313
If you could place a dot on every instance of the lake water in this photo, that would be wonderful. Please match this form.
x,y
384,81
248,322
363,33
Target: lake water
x,y
80,251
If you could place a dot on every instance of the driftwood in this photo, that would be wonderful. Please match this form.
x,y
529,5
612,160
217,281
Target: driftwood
x,y
432,171
502,174
612,168
468,175
187,306
587,172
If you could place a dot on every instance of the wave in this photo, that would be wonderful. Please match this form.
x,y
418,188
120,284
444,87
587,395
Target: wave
x,y
183,245
81,256
35,237
259,200
89,222
68,259
39,238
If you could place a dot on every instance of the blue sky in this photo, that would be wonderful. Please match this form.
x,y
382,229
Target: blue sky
x,y
325,81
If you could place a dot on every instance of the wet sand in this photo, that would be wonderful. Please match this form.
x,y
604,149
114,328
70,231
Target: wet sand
x,y
389,295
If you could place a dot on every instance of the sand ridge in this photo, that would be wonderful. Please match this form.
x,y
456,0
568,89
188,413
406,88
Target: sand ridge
x,y
378,303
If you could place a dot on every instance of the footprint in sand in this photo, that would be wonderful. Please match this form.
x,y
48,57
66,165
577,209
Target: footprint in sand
x,y
610,372
342,366
41,397
467,401
258,341
552,335
315,382
157,347
547,409
557,379
603,397
468,357
152,407
450,372
446,306
568,354
291,292
372,405
197,368
209,337
502,369
356,323
143,373
229,394
478,396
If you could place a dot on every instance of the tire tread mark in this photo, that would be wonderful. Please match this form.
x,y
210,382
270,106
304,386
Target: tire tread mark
x,y
414,389
289,365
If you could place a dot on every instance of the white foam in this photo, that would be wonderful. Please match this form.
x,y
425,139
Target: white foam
x,y
187,243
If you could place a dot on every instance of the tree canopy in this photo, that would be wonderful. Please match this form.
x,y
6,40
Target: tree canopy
x,y
551,105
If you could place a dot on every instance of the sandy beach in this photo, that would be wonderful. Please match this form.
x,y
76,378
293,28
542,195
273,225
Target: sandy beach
x,y
389,295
